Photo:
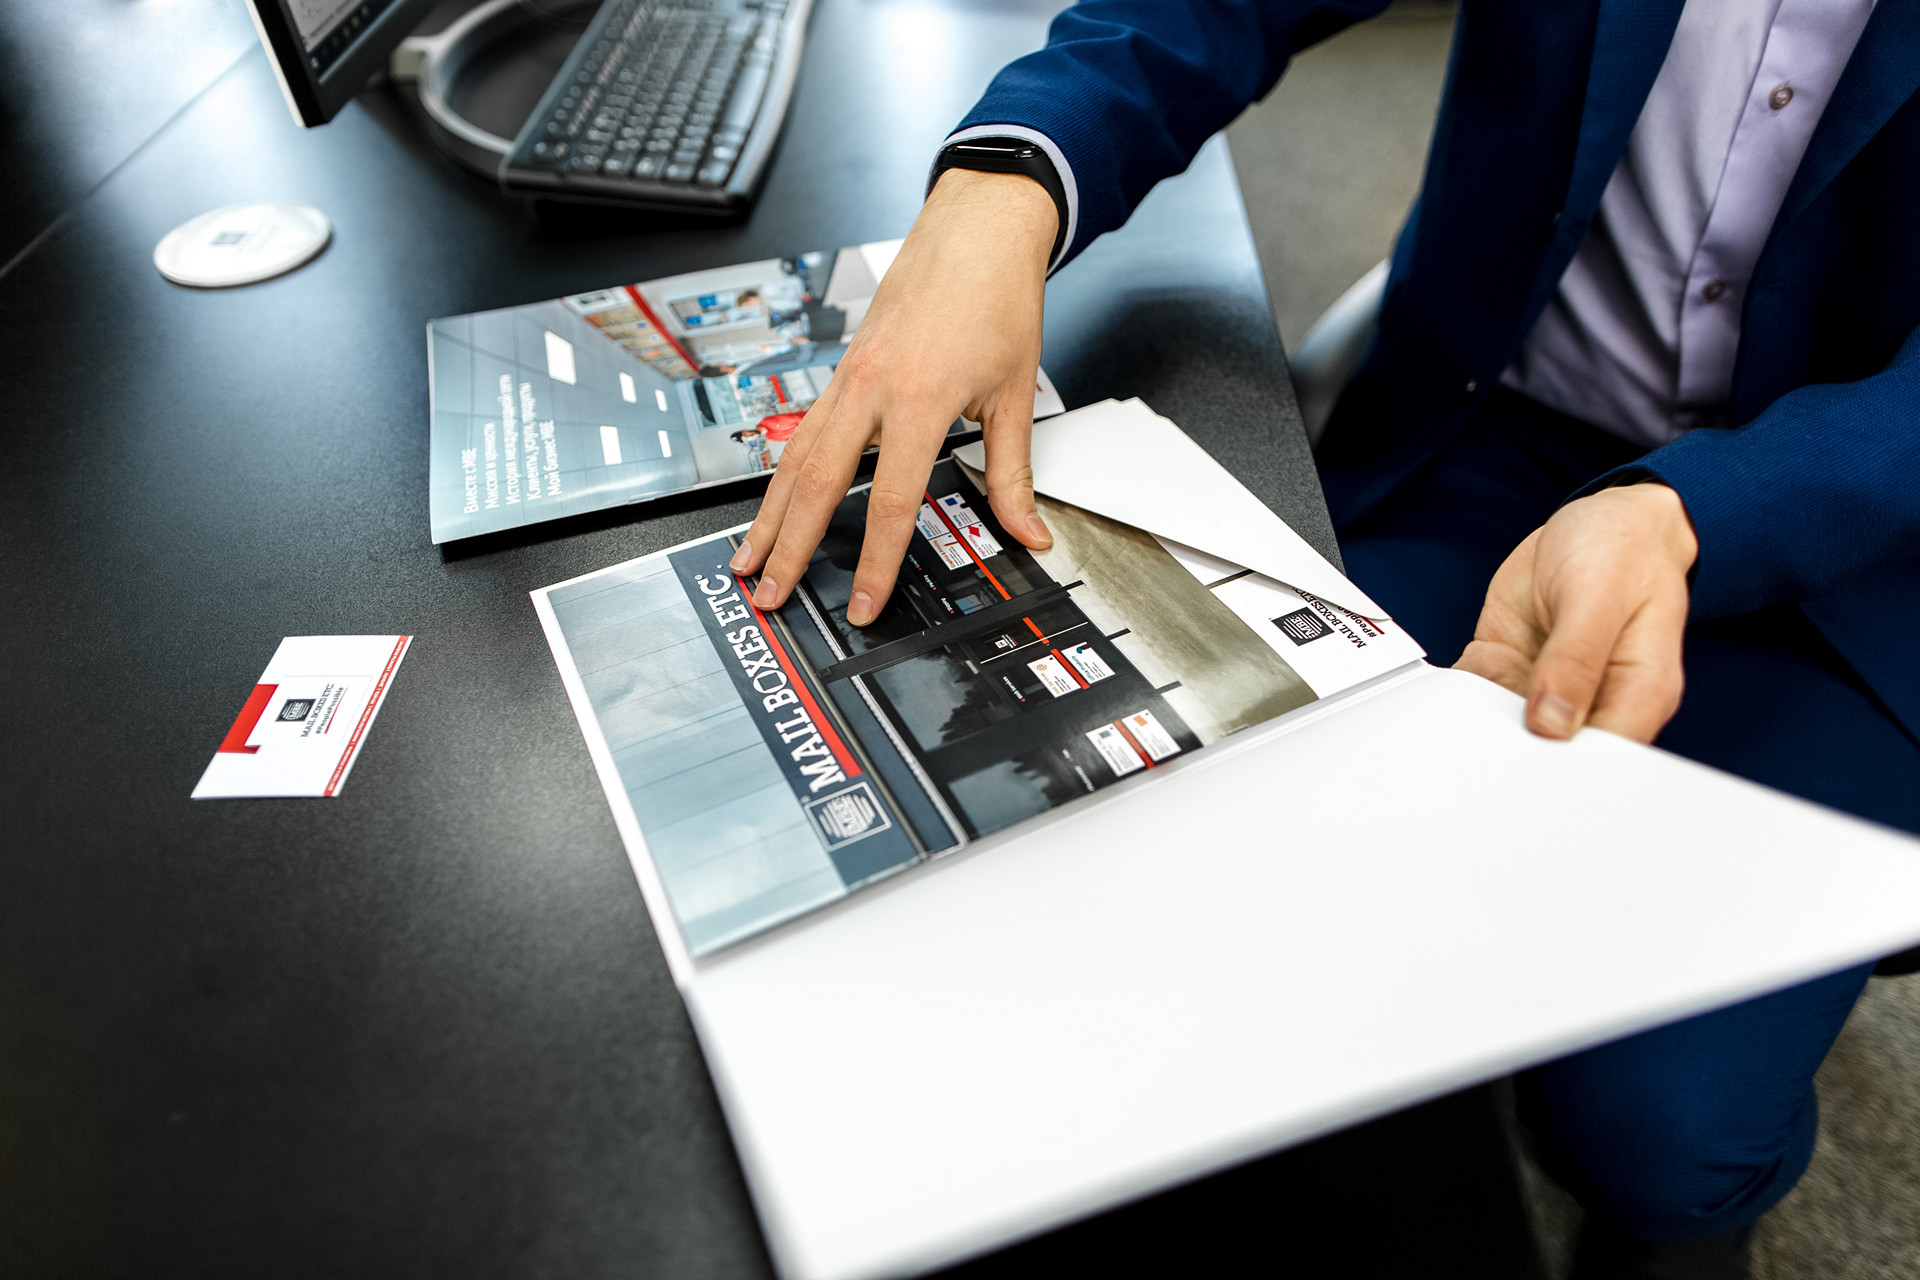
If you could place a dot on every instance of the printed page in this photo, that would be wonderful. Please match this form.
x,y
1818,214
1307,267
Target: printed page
x,y
769,764
639,391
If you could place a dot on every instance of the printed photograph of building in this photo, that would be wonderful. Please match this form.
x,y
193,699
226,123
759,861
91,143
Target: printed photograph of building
x,y
1020,681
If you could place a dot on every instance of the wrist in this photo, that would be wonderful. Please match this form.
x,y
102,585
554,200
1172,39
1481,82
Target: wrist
x,y
1019,211
1658,508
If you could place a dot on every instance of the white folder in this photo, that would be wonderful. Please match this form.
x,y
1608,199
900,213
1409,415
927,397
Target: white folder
x,y
1382,897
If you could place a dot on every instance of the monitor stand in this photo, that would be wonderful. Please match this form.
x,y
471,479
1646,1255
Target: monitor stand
x,y
478,79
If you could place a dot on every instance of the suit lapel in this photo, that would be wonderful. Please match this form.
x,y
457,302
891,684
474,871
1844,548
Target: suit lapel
x,y
1630,42
1882,74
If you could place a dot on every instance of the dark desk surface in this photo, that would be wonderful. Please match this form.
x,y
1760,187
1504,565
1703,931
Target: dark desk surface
x,y
424,1028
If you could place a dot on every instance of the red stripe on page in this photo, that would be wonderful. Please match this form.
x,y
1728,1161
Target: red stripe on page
x,y
256,706
664,332
968,548
1134,742
366,715
1071,669
779,392
848,765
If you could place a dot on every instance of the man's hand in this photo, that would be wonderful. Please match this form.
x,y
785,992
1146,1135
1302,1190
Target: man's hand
x,y
1585,618
953,331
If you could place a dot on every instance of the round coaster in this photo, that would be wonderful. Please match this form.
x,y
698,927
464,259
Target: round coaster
x,y
242,244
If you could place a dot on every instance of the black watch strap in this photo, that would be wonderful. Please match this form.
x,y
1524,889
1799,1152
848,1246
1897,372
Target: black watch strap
x,y
1008,155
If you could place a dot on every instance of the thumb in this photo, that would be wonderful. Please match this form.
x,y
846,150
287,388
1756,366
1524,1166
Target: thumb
x,y
1570,668
1007,431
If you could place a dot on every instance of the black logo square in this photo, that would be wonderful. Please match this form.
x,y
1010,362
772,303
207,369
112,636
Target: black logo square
x,y
295,709
1302,625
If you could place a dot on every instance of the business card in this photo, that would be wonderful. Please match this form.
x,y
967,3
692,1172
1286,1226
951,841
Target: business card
x,y
301,728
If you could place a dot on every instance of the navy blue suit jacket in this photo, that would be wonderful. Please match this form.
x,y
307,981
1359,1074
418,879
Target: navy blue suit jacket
x,y
1811,496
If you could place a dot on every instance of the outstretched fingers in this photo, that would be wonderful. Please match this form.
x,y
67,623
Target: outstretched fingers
x,y
765,531
893,503
1007,431
818,482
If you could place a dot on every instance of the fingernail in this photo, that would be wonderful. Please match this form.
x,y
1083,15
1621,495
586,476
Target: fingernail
x,y
1553,715
766,593
860,609
1038,528
741,558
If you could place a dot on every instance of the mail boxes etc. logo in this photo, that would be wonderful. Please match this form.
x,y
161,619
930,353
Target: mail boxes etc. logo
x,y
1302,625
849,815
296,708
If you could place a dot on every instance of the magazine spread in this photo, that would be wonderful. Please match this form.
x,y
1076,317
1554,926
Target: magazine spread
x,y
638,391
776,762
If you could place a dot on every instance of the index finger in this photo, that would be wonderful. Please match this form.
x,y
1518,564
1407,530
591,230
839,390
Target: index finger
x,y
765,530
1571,665
819,483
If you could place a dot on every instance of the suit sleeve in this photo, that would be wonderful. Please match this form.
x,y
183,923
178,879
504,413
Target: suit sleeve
x,y
1128,91
1819,491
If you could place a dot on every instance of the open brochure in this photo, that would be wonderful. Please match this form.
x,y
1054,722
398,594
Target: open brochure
x,y
638,391
762,765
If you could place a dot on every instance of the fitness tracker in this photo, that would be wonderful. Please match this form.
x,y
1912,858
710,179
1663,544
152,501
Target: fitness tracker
x,y
1007,155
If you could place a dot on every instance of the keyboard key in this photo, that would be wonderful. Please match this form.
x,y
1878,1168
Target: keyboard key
x,y
679,172
715,175
648,166
746,99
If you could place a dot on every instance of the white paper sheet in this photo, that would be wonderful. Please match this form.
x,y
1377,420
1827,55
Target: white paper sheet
x,y
1126,462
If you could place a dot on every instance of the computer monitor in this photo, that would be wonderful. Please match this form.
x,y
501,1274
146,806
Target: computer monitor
x,y
324,51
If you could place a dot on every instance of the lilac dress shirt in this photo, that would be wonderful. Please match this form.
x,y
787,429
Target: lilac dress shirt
x,y
1642,335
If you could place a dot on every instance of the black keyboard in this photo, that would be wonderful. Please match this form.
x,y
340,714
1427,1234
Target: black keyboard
x,y
671,104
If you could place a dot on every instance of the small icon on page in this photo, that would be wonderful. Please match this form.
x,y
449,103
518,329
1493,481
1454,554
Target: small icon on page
x,y
1302,625
849,815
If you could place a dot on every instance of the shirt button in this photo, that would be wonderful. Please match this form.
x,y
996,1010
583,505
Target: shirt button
x,y
1473,385
1782,94
1715,290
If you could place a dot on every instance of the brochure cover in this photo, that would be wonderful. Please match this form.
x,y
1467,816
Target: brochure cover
x,y
761,765
638,391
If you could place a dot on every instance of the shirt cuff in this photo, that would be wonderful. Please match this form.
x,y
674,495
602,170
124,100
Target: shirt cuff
x,y
1054,156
